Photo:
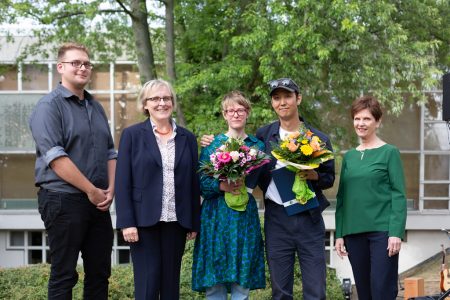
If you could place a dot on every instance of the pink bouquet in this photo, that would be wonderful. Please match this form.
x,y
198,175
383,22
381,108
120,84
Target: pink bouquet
x,y
231,162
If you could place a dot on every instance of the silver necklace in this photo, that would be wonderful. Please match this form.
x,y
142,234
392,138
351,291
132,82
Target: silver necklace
x,y
362,153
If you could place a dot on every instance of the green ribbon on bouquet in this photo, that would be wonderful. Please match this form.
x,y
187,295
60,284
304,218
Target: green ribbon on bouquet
x,y
302,192
237,202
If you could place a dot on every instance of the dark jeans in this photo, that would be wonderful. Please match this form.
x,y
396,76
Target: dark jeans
x,y
302,234
73,224
375,273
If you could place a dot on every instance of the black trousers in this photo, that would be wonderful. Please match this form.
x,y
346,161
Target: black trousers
x,y
157,261
75,225
376,274
286,236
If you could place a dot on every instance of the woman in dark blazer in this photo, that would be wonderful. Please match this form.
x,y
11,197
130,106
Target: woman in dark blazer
x,y
157,193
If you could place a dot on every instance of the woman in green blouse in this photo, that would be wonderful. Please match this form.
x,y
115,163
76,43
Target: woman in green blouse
x,y
371,206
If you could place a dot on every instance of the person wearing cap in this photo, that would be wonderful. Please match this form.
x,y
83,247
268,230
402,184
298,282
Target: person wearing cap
x,y
304,233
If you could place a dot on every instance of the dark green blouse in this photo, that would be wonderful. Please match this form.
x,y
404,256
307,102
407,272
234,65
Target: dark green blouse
x,y
371,194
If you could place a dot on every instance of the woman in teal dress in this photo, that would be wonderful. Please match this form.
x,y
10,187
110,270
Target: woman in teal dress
x,y
371,206
229,251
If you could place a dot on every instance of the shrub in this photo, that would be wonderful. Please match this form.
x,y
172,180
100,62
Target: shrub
x,y
31,282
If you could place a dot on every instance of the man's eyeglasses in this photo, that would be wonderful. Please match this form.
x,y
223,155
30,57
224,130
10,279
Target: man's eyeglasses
x,y
155,100
281,82
240,112
78,64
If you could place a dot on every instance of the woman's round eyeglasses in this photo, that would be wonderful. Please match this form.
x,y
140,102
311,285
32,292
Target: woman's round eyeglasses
x,y
240,112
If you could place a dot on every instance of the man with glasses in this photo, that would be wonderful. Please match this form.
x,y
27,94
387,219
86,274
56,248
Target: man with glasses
x,y
302,233
75,166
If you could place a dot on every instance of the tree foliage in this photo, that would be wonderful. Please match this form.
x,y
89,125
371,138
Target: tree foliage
x,y
334,49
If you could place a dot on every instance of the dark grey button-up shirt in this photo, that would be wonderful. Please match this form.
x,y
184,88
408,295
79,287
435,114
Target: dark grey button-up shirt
x,y
62,125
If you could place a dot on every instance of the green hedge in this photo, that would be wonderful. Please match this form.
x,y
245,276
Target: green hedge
x,y
31,282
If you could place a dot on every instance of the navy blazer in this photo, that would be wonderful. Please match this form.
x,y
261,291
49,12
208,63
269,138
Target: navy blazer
x,y
271,133
139,178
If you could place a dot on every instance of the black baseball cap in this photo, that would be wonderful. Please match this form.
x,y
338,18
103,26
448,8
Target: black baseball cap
x,y
283,83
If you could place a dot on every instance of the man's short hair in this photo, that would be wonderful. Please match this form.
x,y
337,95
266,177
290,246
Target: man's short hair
x,y
70,46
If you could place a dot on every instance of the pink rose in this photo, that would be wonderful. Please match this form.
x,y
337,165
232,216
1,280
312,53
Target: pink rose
x,y
224,157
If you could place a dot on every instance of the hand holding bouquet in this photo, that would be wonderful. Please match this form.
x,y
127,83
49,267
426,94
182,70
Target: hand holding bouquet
x,y
301,150
231,162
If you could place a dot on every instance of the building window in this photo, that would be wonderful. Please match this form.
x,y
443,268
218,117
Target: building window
x,y
100,79
8,77
15,110
16,239
17,190
33,243
127,110
36,249
35,77
126,77
434,192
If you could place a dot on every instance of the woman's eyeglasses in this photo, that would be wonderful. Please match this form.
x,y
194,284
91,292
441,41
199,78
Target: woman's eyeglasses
x,y
240,112
78,64
155,100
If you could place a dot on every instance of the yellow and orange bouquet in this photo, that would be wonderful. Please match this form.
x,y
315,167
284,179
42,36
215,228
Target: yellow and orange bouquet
x,y
301,150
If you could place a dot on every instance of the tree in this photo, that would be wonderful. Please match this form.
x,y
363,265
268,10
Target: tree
x,y
170,52
75,21
141,34
335,50
58,21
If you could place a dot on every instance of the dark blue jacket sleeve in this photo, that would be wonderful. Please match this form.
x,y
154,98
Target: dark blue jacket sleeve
x,y
124,207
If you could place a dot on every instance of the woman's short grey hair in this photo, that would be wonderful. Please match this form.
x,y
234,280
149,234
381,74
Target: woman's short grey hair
x,y
151,85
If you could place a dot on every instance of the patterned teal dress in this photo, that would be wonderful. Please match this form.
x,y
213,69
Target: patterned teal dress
x,y
229,247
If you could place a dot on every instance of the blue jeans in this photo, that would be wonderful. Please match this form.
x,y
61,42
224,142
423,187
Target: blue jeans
x,y
74,225
219,292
